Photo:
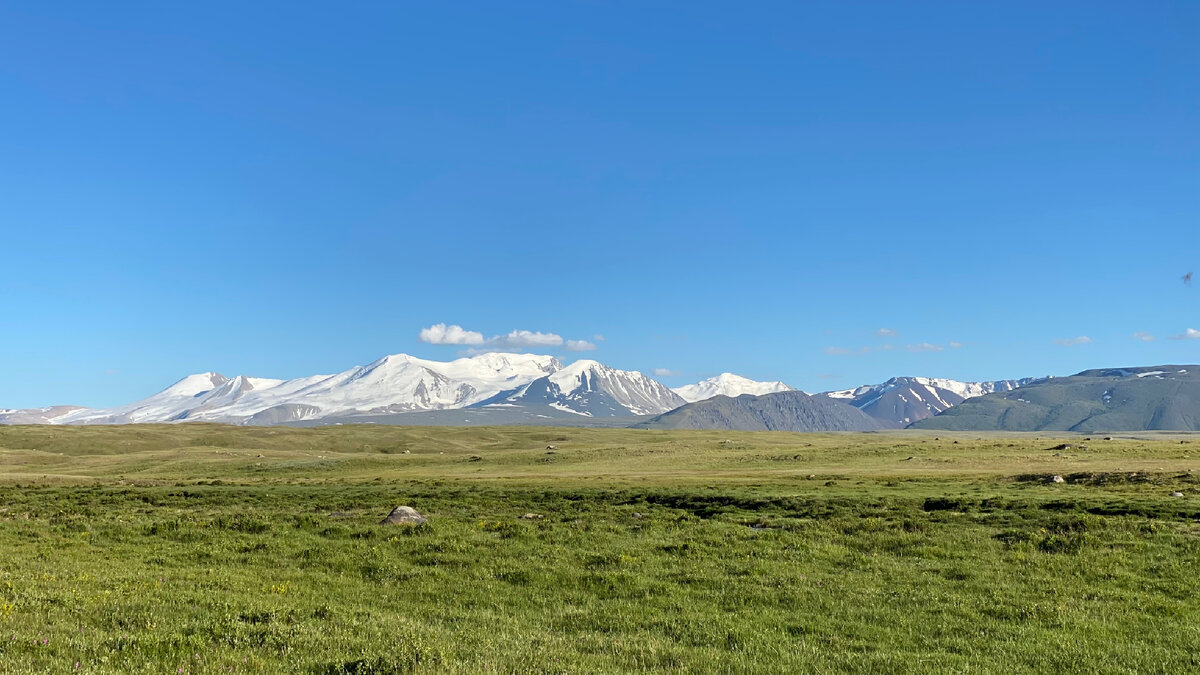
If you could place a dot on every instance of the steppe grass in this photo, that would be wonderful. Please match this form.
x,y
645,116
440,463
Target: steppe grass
x,y
200,549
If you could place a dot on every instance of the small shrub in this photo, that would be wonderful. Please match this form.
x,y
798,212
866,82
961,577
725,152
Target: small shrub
x,y
407,657
514,577
1013,537
946,504
503,528
241,522
1063,543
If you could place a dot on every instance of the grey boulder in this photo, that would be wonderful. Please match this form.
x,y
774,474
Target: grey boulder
x,y
404,515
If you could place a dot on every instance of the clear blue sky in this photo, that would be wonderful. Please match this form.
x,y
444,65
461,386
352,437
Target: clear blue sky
x,y
282,189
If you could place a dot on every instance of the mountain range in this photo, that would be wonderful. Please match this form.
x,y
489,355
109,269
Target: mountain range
x,y
1140,398
499,388
504,388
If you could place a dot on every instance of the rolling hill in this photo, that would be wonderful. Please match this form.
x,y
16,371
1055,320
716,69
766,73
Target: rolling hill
x,y
1109,399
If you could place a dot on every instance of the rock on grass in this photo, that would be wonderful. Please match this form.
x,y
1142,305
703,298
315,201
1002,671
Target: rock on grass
x,y
404,515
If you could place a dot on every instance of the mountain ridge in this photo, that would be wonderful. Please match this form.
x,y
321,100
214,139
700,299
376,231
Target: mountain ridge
x,y
391,385
1139,398
589,388
900,401
778,411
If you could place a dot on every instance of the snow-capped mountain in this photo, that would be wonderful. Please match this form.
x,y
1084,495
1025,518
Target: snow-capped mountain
x,y
728,384
903,400
397,383
527,385
36,415
963,390
493,388
592,389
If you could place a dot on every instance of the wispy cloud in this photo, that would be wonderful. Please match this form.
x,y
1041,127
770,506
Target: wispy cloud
x,y
924,347
580,346
1071,342
1143,336
441,334
887,346
665,372
598,337
954,344
1189,334
842,351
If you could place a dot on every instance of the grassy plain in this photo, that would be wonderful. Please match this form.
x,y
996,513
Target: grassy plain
x,y
207,549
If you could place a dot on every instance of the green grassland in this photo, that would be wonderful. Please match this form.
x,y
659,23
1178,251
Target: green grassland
x,y
209,549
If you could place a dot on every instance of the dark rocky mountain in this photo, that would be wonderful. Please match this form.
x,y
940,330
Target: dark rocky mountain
x,y
782,411
1111,399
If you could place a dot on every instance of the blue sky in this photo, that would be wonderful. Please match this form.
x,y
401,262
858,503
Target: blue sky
x,y
282,189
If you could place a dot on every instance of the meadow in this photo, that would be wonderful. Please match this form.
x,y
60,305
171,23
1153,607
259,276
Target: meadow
x,y
210,549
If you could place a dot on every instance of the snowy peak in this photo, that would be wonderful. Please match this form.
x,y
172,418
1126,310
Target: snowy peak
x,y
165,406
506,365
966,389
903,400
631,389
728,384
581,376
193,385
592,389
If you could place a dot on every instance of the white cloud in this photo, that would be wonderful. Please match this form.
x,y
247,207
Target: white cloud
x,y
528,338
954,344
598,337
1071,342
1143,336
886,333
665,372
441,334
1189,334
924,347
887,348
